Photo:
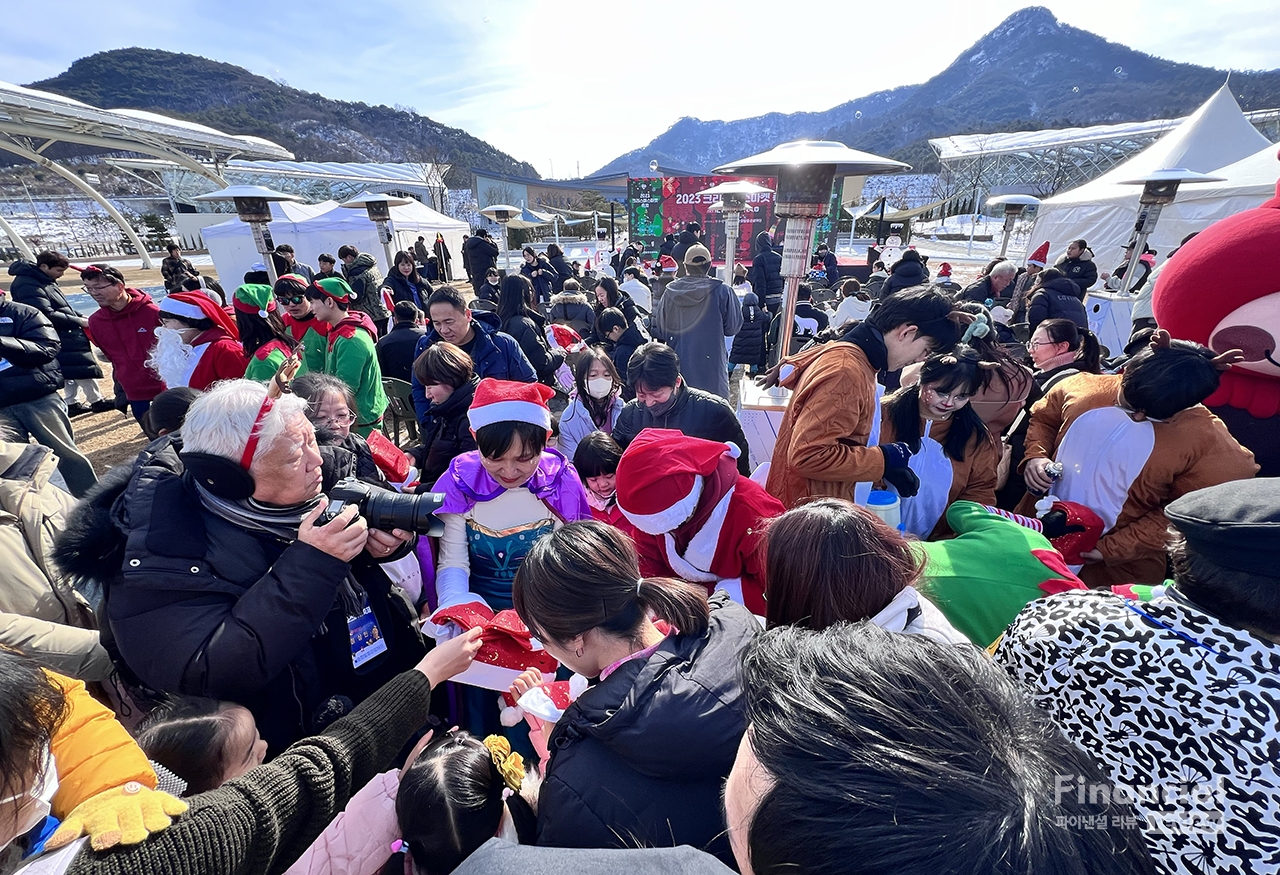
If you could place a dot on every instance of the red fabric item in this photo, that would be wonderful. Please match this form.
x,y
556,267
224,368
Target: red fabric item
x,y
1072,544
209,307
389,458
299,327
350,324
1233,264
1040,256
1065,580
505,641
126,338
660,467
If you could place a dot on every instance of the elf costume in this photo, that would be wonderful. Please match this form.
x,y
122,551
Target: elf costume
x,y
352,358
1223,290
696,517
991,569
265,361
217,354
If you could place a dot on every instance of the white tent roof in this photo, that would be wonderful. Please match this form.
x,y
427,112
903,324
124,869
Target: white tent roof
x,y
315,228
1103,212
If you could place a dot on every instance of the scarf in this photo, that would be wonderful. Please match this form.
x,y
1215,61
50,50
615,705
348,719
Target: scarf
x,y
871,341
281,523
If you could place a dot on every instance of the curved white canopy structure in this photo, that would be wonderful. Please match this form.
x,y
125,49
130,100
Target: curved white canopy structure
x,y
31,121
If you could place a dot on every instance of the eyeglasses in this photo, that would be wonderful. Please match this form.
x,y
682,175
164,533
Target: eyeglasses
x,y
290,299
341,419
1032,344
92,289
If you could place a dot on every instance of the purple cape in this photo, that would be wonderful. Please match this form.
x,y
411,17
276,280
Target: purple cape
x,y
466,483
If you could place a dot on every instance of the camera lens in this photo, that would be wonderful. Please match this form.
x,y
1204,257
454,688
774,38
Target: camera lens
x,y
413,513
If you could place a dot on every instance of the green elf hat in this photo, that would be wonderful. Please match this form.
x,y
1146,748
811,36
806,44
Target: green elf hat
x,y
334,287
253,298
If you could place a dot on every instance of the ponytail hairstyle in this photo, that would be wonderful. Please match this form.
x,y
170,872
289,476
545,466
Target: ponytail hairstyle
x,y
586,575
945,372
453,796
1081,341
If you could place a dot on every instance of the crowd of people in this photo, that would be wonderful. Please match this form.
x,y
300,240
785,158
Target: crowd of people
x,y
995,599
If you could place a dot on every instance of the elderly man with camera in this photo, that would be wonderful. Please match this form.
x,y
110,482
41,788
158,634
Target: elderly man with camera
x,y
232,578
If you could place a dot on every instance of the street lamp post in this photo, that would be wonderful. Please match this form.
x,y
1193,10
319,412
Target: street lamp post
x,y
733,200
1158,190
378,206
805,171
253,206
1014,206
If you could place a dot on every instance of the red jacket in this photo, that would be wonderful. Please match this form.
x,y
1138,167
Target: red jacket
x,y
126,337
223,358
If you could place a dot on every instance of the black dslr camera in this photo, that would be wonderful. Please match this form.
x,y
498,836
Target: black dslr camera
x,y
385,509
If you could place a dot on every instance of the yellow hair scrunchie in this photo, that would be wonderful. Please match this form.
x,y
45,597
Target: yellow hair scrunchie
x,y
510,765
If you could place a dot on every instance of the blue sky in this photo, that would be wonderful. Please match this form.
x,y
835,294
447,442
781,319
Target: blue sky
x,y
569,84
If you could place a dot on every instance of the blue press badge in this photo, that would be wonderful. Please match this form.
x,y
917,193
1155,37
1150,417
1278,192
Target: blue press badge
x,y
366,638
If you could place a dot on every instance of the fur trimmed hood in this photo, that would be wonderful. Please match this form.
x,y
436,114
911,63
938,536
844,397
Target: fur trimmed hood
x,y
569,298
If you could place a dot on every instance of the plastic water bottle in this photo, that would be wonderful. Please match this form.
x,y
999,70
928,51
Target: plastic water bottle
x,y
887,506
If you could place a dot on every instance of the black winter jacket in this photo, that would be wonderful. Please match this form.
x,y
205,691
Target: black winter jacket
x,y
396,351
563,270
905,275
481,254
204,607
572,309
1082,270
981,292
640,758
765,275
683,242
530,331
446,433
696,413
542,275
750,346
33,287
29,346
402,290
1057,299
623,348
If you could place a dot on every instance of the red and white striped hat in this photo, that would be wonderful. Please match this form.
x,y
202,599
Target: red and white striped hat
x,y
193,305
660,477
508,401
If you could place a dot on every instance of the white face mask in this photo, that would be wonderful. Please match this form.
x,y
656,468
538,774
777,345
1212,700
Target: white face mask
x,y
599,387
41,797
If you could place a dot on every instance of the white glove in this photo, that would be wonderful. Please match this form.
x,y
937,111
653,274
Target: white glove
x,y
452,588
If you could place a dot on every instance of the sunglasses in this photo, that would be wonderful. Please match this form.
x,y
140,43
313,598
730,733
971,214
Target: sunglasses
x,y
290,299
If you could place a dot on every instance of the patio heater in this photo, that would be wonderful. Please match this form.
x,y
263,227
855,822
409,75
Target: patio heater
x,y
253,206
805,171
1159,188
733,200
1014,206
502,214
379,207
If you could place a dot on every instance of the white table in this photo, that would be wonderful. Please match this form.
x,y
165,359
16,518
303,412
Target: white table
x,y
760,411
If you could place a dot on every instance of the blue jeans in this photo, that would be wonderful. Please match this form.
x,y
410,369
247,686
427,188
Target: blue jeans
x,y
46,420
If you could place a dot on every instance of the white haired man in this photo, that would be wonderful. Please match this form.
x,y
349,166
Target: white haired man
x,y
995,287
225,585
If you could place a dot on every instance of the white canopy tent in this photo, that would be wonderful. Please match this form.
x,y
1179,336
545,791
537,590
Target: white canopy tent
x,y
324,227
1103,212
231,245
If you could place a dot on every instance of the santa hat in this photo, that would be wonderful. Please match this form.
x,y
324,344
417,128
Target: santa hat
x,y
1089,528
1040,257
506,647
944,271
334,287
253,298
194,305
509,401
660,477
668,264
565,338
547,702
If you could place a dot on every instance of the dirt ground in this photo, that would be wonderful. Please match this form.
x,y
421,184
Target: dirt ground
x,y
108,439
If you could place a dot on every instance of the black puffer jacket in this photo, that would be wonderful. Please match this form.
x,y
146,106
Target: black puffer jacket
x,y
33,287
204,607
563,269
543,276
481,254
749,344
530,331
765,275
30,346
572,309
905,274
623,348
640,759
1080,270
1057,299
696,413
446,433
685,239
